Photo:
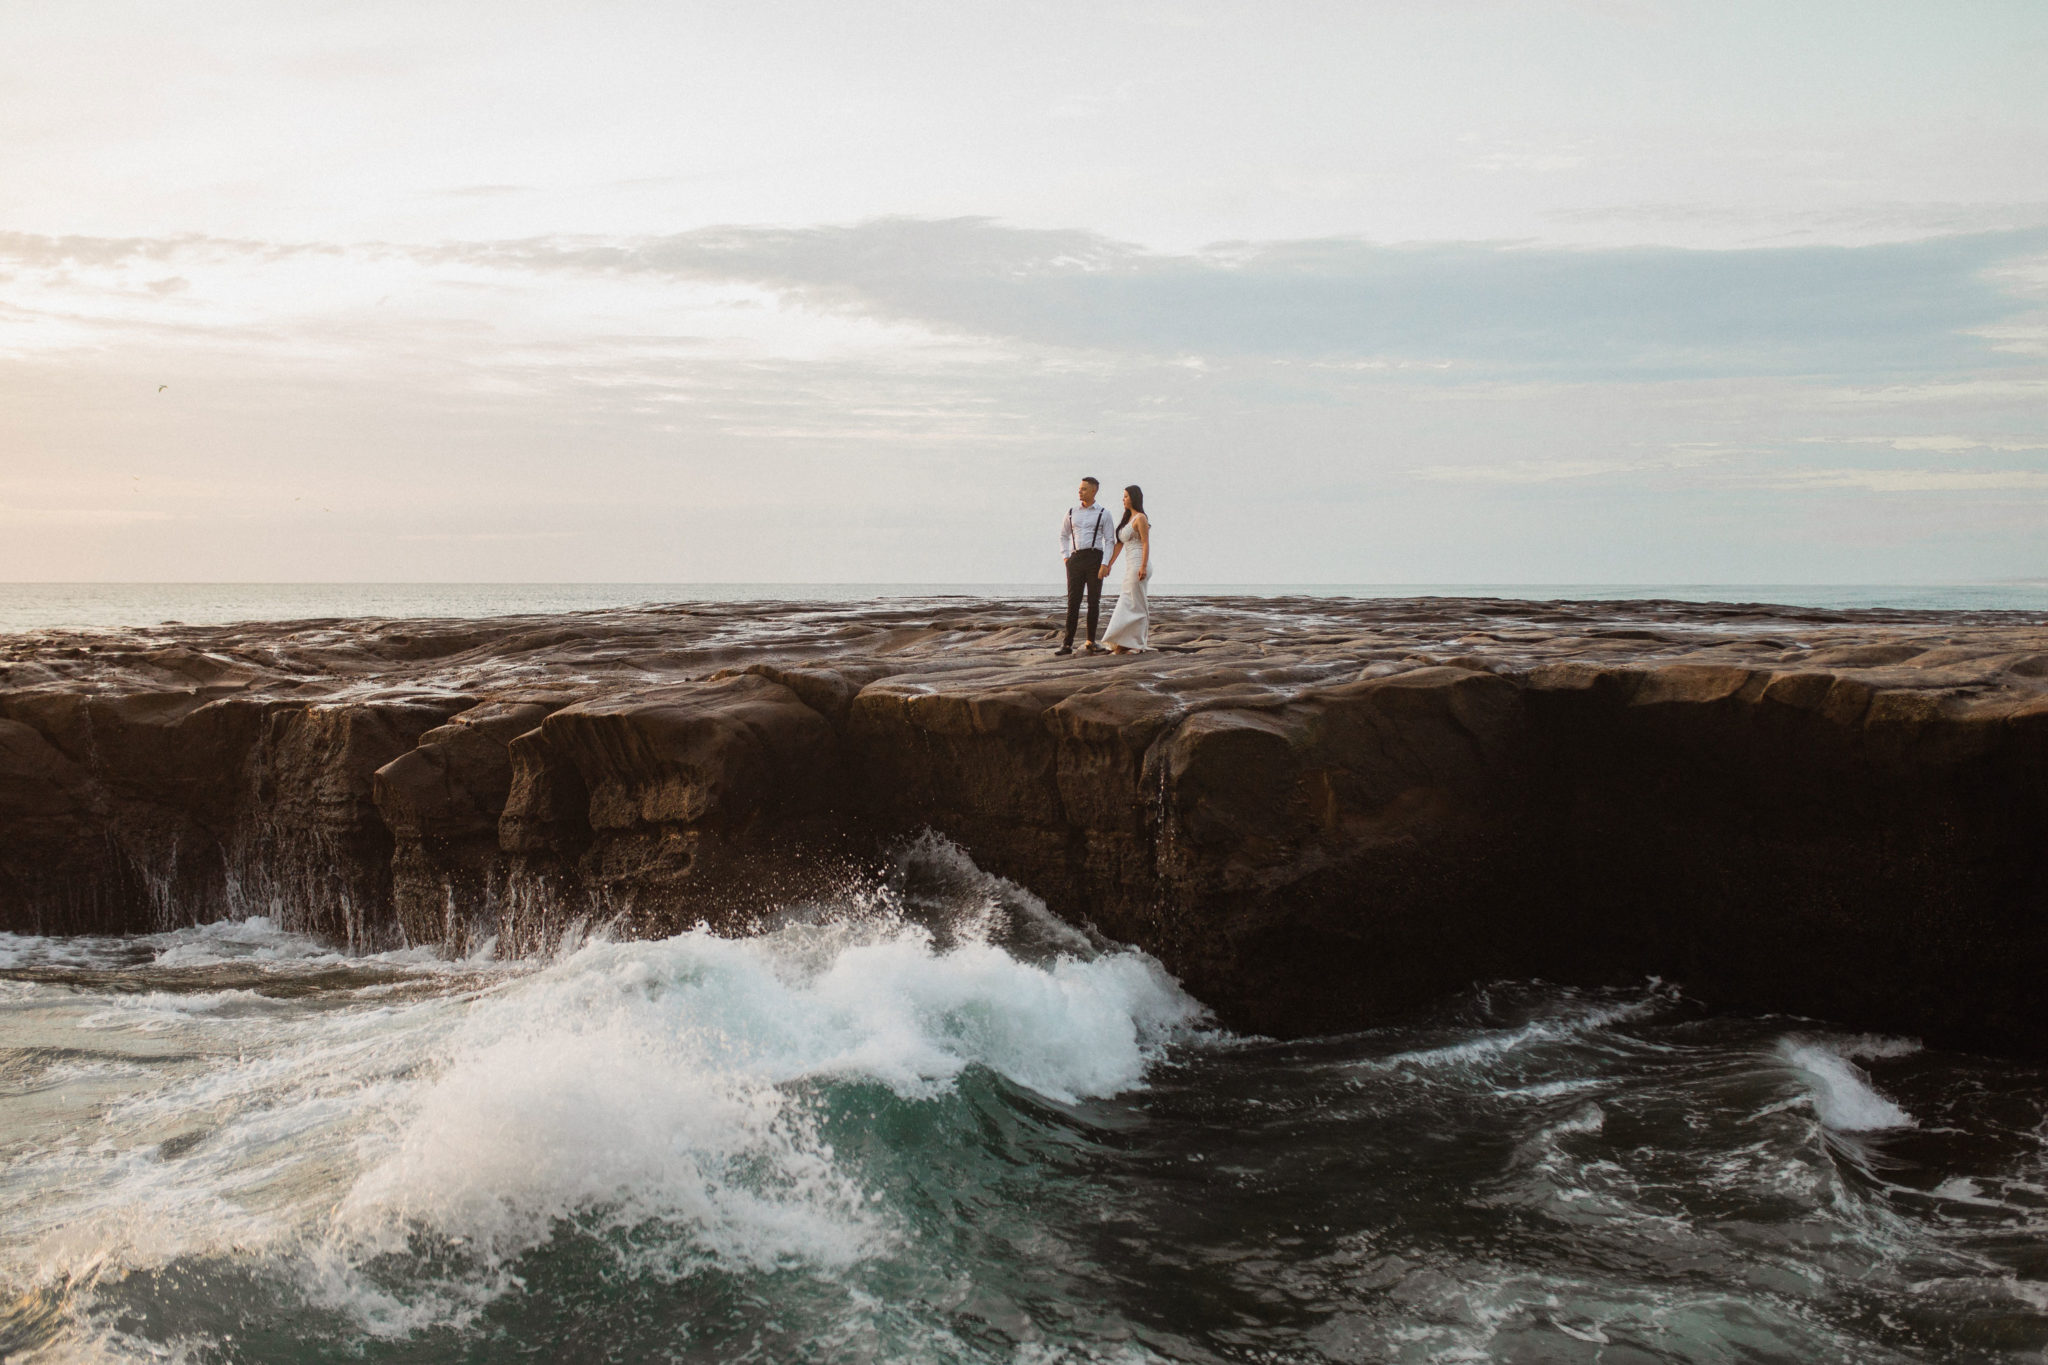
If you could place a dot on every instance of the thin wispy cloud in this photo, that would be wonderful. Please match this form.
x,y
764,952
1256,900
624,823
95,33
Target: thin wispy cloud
x,y
1942,444
1897,308
1918,309
1919,480
79,516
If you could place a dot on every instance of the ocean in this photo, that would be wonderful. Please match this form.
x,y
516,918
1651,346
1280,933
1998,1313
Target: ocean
x,y
897,1127
103,606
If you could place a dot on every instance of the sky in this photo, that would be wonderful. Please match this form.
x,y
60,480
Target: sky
x,y
1608,291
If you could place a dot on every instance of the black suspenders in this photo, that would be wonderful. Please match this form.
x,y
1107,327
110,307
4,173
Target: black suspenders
x,y
1094,533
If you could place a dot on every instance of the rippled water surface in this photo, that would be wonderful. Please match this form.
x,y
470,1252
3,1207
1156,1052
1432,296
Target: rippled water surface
x,y
930,1124
117,606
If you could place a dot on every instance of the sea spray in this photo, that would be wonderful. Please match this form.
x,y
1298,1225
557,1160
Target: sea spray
x,y
924,1125
396,1151
643,1083
1840,1090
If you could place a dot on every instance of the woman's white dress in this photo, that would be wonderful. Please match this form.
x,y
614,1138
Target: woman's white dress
x,y
1132,619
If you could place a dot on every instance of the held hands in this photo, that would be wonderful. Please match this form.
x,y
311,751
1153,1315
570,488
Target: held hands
x,y
1104,573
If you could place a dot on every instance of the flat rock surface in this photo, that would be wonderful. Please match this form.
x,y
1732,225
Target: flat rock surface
x,y
1205,644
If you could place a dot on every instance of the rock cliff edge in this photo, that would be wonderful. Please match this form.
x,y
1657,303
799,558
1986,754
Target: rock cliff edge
x,y
1315,812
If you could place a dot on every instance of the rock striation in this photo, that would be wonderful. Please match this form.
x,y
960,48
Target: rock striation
x,y
1316,812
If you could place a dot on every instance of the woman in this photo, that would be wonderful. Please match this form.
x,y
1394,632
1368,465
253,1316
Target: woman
x,y
1132,619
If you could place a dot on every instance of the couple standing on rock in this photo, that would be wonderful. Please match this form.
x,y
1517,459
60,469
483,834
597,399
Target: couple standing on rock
x,y
1084,535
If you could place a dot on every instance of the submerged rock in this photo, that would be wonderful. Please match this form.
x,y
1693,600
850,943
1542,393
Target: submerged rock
x,y
1315,812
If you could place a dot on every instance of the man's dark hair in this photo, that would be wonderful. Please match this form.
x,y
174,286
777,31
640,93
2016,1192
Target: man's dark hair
x,y
1090,478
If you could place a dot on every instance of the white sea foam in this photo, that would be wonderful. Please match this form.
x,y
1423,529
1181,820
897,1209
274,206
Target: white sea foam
x,y
1576,1021
657,1095
938,885
1839,1089
257,939
158,1011
647,1082
1872,1047
34,950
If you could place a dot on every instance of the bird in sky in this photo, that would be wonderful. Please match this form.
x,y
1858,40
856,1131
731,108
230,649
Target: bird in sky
x,y
161,387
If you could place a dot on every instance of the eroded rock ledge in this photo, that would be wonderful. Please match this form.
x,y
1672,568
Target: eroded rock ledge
x,y
1315,812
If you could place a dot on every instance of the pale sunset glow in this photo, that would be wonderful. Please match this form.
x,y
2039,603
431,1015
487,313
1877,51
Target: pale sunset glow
x,y
1557,292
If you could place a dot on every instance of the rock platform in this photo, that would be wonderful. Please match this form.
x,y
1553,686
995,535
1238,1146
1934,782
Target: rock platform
x,y
1316,812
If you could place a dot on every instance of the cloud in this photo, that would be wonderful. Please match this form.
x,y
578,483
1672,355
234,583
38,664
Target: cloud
x,y
1517,154
42,250
1905,309
1880,219
1896,313
520,537
1918,480
79,516
1975,390
1940,444
1534,471
1676,455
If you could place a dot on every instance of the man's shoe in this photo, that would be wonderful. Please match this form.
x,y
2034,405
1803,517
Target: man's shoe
x,y
1064,649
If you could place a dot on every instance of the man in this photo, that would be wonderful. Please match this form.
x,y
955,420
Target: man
x,y
1085,534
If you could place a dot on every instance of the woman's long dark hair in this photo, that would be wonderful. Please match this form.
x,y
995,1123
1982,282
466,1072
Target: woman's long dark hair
x,y
1137,505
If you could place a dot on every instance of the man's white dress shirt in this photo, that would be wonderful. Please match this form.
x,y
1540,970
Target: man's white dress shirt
x,y
1087,528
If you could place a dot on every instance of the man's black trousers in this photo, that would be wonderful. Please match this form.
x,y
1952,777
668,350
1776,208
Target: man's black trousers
x,y
1084,574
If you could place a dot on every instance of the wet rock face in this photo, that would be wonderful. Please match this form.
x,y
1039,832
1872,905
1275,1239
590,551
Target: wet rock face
x,y
1315,813
1871,854
675,804
312,842
443,801
697,754
179,804
1380,821
51,826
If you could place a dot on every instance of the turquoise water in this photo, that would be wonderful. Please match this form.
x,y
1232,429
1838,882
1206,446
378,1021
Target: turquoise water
x,y
938,1126
42,606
